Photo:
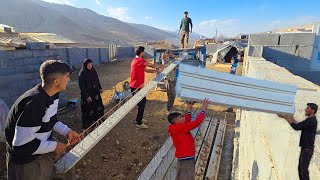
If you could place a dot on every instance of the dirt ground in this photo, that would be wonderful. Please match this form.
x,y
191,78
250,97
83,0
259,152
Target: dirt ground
x,y
125,150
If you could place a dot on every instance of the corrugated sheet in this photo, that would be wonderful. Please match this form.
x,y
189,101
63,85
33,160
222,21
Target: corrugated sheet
x,y
235,91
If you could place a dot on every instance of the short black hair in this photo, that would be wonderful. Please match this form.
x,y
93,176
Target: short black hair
x,y
139,50
240,53
313,106
186,12
172,116
50,68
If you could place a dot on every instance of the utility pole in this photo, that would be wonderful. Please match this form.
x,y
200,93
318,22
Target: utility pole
x,y
215,39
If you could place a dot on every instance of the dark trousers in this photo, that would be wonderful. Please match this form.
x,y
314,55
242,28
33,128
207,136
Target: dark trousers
x,y
141,106
304,161
171,93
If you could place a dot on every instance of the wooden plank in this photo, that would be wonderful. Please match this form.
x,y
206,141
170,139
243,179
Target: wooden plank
x,y
213,167
83,147
201,163
199,137
234,91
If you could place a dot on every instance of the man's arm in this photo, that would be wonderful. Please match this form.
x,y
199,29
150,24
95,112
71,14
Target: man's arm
x,y
294,124
191,25
180,27
151,70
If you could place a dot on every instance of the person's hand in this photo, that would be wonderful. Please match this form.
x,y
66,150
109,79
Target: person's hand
x,y
100,90
159,70
205,104
89,100
60,149
281,115
73,137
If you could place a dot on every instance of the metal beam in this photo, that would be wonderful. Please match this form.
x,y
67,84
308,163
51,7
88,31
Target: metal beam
x,y
83,147
235,91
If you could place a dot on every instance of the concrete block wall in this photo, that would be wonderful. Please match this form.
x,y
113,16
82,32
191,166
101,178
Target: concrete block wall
x,y
293,51
125,52
19,71
268,146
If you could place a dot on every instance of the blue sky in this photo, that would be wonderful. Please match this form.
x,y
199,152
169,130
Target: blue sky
x,y
229,17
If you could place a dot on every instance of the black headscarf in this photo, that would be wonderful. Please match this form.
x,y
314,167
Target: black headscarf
x,y
90,76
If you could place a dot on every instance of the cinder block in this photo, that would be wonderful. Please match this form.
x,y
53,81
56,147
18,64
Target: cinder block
x,y
125,52
6,54
77,56
40,53
32,61
53,52
255,51
15,77
263,39
28,68
27,84
31,76
10,62
4,94
63,53
22,53
94,55
279,51
35,45
305,52
7,71
104,55
5,84
306,39
9,101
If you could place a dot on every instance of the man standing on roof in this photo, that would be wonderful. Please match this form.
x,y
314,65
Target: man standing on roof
x,y
184,27
308,129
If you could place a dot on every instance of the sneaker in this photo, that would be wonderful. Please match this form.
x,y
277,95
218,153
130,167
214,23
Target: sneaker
x,y
142,126
144,121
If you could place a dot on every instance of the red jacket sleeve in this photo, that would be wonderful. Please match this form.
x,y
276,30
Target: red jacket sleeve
x,y
187,117
191,125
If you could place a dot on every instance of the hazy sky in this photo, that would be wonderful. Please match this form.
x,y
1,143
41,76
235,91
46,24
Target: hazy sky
x,y
229,17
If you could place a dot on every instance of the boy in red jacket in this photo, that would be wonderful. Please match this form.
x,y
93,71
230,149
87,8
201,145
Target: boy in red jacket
x,y
183,141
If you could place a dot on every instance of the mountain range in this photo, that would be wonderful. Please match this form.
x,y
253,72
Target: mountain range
x,y
79,24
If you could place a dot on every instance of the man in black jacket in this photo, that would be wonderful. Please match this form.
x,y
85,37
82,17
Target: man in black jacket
x,y
307,138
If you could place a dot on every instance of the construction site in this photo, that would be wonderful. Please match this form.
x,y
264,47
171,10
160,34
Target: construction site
x,y
280,75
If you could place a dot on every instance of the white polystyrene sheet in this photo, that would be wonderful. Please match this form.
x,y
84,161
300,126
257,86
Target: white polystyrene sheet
x,y
235,91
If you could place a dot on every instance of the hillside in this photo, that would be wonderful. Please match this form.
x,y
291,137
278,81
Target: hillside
x,y
82,25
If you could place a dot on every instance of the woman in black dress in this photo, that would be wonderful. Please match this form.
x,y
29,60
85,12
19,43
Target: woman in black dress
x,y
91,102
